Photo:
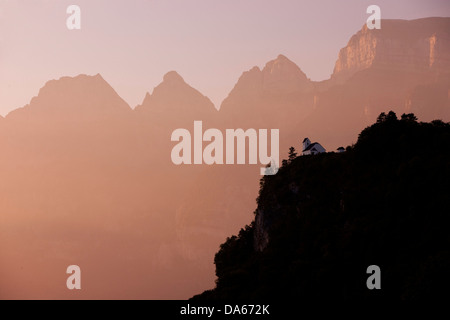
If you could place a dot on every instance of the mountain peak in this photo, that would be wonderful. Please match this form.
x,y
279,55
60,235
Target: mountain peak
x,y
279,77
173,76
80,95
282,69
99,77
255,69
81,81
174,96
282,57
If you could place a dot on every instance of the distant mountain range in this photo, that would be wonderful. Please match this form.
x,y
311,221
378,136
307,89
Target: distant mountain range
x,y
86,178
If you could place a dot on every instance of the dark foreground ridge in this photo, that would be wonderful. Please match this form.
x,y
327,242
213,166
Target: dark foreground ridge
x,y
324,219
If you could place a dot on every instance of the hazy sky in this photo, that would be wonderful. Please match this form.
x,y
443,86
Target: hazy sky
x,y
133,43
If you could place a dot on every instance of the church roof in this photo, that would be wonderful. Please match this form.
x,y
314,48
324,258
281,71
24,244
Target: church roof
x,y
310,146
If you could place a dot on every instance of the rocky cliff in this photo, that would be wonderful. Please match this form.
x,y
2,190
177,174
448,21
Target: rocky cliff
x,y
421,45
380,202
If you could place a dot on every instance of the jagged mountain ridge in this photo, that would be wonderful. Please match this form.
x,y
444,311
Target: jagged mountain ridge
x,y
97,159
396,66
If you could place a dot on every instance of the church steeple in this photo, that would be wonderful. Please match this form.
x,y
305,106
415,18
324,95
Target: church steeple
x,y
306,143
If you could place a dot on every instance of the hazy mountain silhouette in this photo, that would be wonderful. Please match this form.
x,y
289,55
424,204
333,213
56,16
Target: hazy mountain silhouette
x,y
78,97
175,98
85,179
268,97
173,104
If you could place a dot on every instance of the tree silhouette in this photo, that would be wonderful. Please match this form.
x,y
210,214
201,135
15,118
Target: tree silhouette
x,y
409,117
292,154
381,118
391,116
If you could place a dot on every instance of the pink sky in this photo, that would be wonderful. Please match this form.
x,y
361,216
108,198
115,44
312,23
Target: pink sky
x,y
210,43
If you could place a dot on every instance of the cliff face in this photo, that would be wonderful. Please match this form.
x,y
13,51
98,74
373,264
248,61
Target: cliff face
x,y
419,46
404,66
261,234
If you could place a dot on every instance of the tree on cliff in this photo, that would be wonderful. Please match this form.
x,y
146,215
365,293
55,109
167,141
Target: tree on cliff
x,y
292,154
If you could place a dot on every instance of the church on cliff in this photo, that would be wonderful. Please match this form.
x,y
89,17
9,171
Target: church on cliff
x,y
312,148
